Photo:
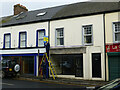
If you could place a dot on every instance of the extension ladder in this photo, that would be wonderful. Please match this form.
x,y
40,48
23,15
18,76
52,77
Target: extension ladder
x,y
51,67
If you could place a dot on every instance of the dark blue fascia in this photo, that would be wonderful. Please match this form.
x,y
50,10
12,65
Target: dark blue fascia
x,y
37,35
25,39
4,40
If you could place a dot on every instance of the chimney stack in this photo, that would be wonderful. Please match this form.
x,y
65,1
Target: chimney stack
x,y
19,8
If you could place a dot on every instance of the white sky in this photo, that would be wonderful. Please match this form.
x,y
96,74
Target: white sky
x,y
6,6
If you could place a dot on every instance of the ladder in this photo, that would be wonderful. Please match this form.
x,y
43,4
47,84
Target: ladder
x,y
51,67
40,65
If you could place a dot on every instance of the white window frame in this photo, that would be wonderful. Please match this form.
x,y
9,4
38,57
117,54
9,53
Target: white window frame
x,y
40,38
23,40
7,42
84,35
58,37
115,32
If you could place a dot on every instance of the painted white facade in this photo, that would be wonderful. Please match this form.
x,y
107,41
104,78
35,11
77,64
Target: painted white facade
x,y
31,30
110,18
73,37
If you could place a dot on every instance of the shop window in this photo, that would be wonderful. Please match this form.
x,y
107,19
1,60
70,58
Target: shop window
x,y
59,36
7,41
117,32
22,39
40,36
68,64
87,35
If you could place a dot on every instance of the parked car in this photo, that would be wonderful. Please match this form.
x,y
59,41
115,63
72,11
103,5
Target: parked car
x,y
113,85
10,68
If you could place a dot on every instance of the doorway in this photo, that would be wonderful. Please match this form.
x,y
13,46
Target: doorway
x,y
96,65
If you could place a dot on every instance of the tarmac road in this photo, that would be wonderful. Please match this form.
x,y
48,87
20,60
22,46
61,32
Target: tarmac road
x,y
17,84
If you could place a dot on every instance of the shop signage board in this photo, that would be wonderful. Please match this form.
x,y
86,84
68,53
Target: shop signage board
x,y
113,47
45,39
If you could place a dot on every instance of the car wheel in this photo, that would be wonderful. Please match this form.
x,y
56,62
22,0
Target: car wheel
x,y
17,68
3,74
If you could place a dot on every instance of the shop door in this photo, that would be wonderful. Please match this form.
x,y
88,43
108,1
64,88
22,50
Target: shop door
x,y
28,65
114,67
96,65
79,66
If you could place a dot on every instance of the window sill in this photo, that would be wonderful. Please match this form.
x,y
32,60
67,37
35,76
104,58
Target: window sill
x,y
91,44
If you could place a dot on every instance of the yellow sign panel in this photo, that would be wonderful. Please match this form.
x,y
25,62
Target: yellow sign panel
x,y
45,38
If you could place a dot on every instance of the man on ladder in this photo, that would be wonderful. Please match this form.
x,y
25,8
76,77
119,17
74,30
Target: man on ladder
x,y
47,46
44,68
46,64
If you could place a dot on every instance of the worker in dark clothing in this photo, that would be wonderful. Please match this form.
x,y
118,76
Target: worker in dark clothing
x,y
44,66
47,46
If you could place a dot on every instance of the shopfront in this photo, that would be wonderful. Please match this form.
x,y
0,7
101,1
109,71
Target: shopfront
x,y
113,53
68,64
26,63
27,58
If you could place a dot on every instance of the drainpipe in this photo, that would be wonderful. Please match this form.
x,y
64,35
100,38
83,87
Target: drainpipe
x,y
37,63
49,31
104,44
49,42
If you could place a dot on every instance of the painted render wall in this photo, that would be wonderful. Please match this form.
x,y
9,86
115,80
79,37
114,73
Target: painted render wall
x,y
109,19
73,37
109,34
29,28
73,30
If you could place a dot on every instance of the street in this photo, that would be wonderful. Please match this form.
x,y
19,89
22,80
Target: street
x,y
11,83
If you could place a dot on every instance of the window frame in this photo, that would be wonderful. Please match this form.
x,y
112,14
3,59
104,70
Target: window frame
x,y
4,42
37,44
113,25
20,39
59,37
83,35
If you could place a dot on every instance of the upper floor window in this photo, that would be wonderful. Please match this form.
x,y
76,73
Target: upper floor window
x,y
117,32
23,39
60,36
7,41
40,36
87,35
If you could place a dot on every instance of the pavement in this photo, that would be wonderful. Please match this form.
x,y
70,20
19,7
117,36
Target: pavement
x,y
79,82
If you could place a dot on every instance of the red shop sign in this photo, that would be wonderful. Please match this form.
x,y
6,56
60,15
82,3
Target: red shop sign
x,y
113,47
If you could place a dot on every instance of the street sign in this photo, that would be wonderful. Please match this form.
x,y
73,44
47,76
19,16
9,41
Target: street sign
x,y
45,39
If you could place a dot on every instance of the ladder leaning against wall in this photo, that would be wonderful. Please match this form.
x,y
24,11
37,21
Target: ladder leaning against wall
x,y
51,67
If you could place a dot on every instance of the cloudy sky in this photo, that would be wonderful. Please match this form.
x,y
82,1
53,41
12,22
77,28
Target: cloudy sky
x,y
6,6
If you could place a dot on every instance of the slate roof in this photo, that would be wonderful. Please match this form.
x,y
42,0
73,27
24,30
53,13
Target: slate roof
x,y
30,16
87,8
60,12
